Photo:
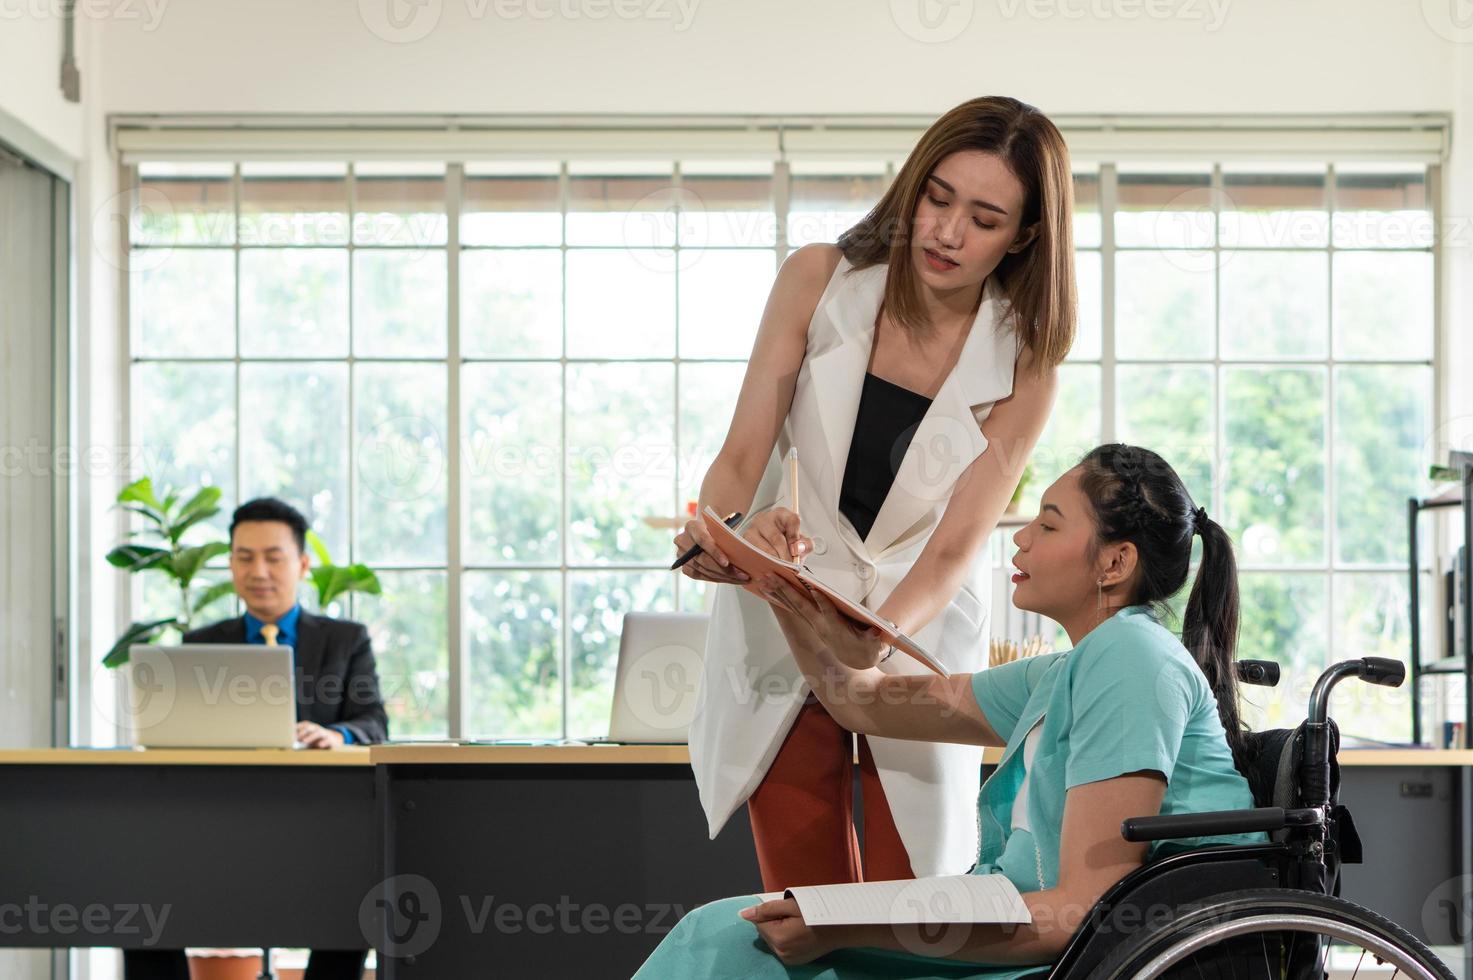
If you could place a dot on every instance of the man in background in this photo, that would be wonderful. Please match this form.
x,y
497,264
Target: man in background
x,y
338,700
336,683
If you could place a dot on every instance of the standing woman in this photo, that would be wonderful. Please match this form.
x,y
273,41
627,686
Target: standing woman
x,y
893,361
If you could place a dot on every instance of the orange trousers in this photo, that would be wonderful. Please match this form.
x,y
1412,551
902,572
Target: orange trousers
x,y
802,813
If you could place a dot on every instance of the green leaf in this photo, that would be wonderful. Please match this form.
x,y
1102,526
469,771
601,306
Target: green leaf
x,y
136,633
176,531
141,492
206,498
161,523
213,594
136,557
334,580
188,561
319,548
365,580
329,582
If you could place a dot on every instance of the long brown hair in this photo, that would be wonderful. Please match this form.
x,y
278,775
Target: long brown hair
x,y
1037,281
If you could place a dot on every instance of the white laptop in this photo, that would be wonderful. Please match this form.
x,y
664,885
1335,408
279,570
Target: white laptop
x,y
211,696
655,683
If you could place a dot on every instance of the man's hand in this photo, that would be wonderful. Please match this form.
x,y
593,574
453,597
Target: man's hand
x,y
781,926
314,736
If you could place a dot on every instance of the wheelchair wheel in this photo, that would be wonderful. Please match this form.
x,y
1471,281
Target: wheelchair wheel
x,y
1272,934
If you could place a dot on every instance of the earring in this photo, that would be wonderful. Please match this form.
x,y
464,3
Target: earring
x,y
1100,594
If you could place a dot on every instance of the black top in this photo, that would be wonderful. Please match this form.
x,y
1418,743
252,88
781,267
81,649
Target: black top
x,y
887,419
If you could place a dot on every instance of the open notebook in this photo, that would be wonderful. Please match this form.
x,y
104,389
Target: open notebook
x,y
756,562
919,901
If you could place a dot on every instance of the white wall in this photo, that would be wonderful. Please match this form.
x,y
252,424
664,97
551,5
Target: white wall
x,y
30,74
771,56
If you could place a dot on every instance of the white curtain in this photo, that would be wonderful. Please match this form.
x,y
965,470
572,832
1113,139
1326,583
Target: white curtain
x,y
28,199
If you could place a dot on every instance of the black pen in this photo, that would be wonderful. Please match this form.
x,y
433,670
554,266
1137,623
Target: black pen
x,y
732,520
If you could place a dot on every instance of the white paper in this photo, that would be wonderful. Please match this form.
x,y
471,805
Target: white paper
x,y
922,901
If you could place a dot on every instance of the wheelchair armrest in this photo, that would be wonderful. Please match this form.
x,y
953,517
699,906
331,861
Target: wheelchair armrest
x,y
1216,822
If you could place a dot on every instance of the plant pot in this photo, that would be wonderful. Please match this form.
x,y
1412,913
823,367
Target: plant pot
x,y
224,964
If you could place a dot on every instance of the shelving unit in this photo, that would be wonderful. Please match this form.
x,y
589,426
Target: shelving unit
x,y
1461,496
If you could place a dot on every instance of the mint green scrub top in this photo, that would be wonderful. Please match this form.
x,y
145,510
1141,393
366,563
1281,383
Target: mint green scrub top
x,y
1128,698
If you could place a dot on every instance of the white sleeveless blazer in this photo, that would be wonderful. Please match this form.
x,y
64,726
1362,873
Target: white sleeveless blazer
x,y
751,689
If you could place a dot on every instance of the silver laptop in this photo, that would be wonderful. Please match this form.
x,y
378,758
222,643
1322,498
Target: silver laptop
x,y
211,696
655,682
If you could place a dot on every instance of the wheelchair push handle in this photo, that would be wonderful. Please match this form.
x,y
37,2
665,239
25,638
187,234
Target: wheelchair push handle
x,y
1373,670
1261,673
1383,671
1216,823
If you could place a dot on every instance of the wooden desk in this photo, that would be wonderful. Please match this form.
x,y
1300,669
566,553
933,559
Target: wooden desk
x,y
450,753
1406,757
353,755
169,848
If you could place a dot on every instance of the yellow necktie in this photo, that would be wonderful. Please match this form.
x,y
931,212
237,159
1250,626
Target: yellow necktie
x,y
269,631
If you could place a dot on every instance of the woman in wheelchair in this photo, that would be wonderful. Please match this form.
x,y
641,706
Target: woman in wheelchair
x,y
1131,721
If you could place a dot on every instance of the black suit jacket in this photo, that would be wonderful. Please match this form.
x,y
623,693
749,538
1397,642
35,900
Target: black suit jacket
x,y
336,681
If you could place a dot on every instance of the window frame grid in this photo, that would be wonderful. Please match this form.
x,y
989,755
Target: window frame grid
x,y
455,567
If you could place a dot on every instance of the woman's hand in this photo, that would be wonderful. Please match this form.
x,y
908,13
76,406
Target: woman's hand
x,y
710,565
856,646
781,926
776,532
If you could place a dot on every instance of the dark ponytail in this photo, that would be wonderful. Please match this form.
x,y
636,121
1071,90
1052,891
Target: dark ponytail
x,y
1138,497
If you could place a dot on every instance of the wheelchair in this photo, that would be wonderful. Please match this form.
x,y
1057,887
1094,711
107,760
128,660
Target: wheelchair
x,y
1267,911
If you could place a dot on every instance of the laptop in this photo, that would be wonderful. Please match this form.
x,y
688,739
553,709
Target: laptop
x,y
655,682
211,696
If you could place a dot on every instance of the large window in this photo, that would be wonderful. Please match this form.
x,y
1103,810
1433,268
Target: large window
x,y
1269,330
501,384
